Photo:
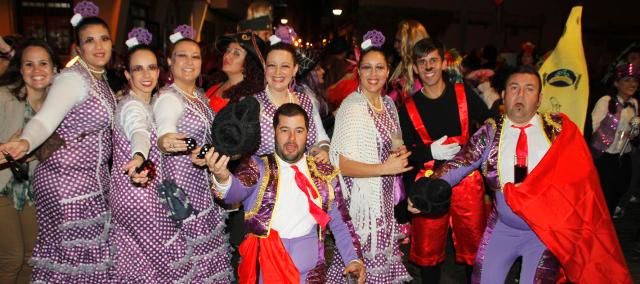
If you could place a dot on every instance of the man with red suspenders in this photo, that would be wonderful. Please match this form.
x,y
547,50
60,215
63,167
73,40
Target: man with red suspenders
x,y
435,123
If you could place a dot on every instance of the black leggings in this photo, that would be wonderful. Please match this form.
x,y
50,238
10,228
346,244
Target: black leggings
x,y
615,175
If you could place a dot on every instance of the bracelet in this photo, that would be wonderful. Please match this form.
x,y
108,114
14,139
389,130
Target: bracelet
x,y
322,144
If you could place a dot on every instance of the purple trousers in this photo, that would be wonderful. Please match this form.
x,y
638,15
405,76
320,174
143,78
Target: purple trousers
x,y
506,238
303,252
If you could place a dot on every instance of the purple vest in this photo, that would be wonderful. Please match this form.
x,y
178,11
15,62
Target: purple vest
x,y
606,132
259,208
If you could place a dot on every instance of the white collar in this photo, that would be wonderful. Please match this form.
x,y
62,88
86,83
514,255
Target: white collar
x,y
535,121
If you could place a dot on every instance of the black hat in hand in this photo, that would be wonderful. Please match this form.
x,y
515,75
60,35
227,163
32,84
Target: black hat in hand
x,y
236,129
431,196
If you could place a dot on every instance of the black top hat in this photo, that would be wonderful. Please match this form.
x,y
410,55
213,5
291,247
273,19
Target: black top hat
x,y
256,24
247,40
236,128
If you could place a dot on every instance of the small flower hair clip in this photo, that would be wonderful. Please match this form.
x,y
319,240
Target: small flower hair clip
x,y
83,10
284,34
372,38
138,36
182,31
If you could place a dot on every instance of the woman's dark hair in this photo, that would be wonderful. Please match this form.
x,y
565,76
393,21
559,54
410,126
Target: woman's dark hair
x,y
373,49
173,46
131,51
252,83
614,99
13,78
85,22
285,47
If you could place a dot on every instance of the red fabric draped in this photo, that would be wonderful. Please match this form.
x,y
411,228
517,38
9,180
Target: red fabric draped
x,y
269,253
562,202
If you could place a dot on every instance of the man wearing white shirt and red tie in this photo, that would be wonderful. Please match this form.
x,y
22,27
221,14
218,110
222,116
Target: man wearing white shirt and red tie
x,y
549,206
289,200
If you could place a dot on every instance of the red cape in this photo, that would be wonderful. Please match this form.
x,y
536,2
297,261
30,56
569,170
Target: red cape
x,y
563,203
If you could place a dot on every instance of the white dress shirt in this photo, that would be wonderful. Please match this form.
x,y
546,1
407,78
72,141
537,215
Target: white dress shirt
x,y
291,217
537,142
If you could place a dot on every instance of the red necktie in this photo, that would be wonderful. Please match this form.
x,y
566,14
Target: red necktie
x,y
522,149
305,186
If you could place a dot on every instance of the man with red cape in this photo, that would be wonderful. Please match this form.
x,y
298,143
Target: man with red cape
x,y
549,205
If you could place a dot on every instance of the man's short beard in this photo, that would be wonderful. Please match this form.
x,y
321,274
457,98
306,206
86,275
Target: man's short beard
x,y
290,161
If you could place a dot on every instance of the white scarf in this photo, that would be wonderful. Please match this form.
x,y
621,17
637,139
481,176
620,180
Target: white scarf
x,y
355,138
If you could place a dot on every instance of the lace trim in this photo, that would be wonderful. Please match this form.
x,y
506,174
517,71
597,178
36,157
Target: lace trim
x,y
197,259
192,242
90,242
85,222
81,197
263,187
74,270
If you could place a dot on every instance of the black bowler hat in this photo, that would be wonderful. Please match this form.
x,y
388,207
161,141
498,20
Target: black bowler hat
x,y
247,40
236,128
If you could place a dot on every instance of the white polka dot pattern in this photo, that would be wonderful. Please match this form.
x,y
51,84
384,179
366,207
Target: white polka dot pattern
x,y
141,225
70,187
207,246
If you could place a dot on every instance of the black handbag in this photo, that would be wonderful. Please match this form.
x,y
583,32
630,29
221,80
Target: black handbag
x,y
175,201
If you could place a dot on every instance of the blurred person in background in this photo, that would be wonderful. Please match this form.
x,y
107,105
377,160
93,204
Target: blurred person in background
x,y
23,89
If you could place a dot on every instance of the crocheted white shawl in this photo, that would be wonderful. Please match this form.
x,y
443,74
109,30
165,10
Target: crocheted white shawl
x,y
355,138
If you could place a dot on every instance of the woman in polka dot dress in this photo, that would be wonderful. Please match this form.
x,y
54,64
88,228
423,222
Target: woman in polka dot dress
x,y
73,177
181,112
281,67
366,125
141,224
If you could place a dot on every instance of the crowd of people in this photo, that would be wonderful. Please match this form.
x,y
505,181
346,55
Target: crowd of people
x,y
292,164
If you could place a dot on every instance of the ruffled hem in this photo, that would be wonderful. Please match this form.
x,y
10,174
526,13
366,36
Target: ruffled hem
x,y
103,237
49,264
203,261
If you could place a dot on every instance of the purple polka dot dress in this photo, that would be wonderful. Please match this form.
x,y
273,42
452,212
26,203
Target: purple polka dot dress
x,y
268,110
386,265
141,224
207,250
70,186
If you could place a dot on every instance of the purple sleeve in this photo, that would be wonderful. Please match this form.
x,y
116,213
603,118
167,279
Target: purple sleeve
x,y
345,235
469,158
245,180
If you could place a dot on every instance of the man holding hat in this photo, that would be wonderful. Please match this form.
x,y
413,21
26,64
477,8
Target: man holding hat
x,y
291,200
